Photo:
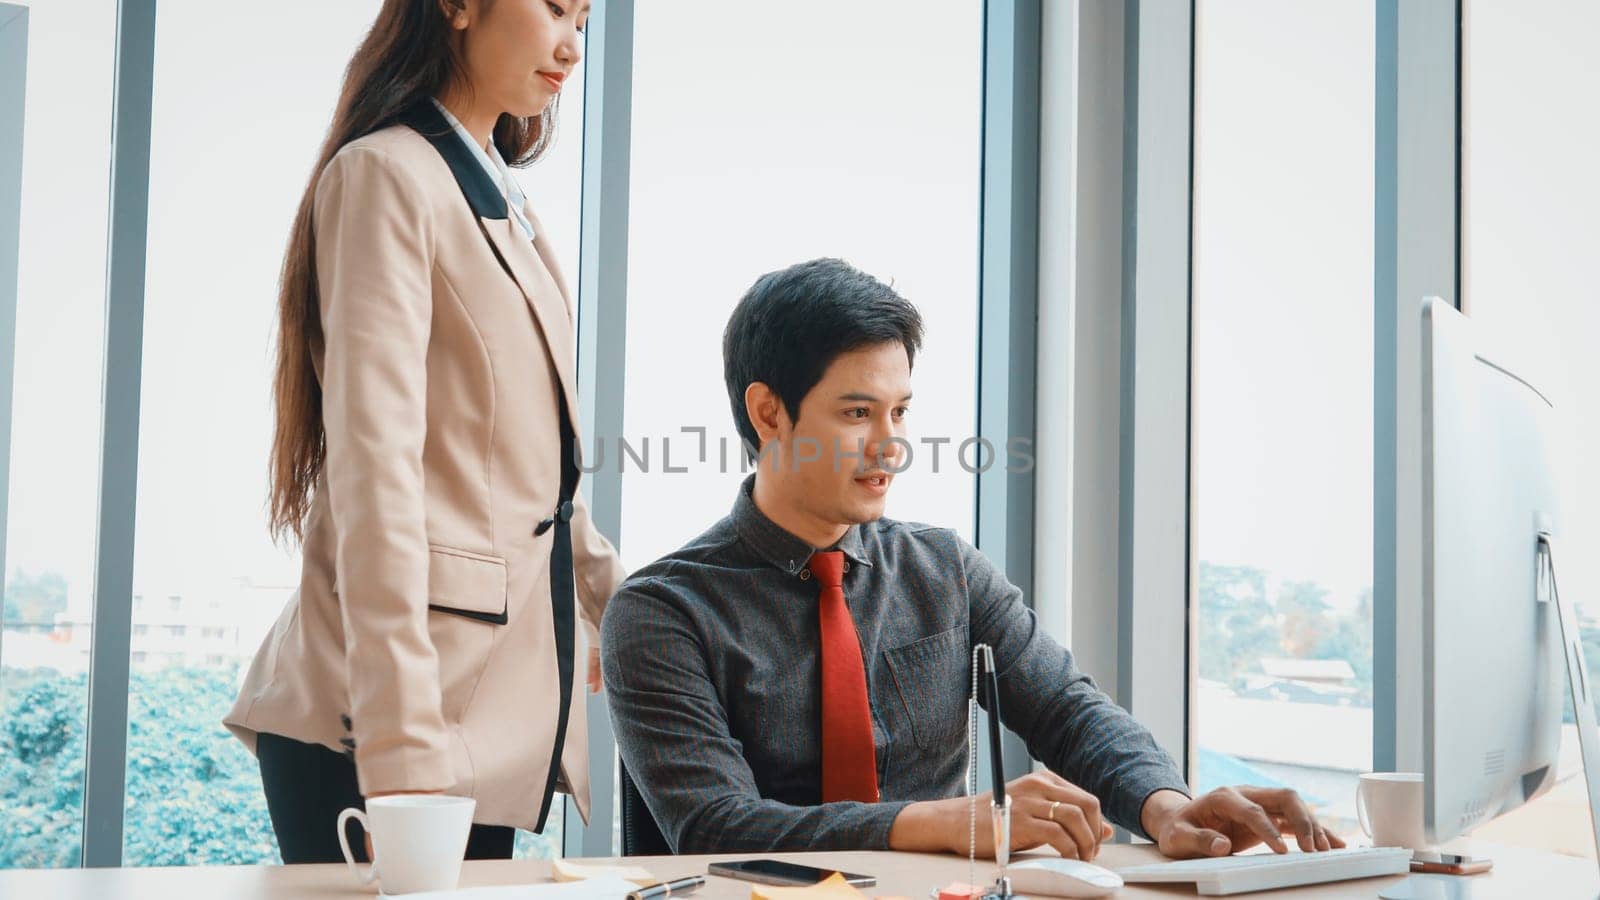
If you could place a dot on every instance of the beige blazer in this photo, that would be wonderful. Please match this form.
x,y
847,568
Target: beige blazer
x,y
422,633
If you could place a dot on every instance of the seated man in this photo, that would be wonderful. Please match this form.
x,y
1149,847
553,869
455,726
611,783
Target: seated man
x,y
770,695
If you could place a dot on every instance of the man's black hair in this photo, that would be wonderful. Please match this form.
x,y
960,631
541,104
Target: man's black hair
x,y
793,323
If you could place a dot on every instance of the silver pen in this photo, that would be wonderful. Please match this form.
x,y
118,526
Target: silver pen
x,y
668,888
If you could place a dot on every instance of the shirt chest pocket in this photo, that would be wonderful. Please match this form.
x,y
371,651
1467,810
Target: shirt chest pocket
x,y
932,677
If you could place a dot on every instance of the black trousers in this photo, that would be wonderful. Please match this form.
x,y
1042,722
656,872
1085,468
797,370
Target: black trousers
x,y
307,785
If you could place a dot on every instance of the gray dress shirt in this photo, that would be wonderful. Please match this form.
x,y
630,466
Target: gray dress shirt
x,y
711,670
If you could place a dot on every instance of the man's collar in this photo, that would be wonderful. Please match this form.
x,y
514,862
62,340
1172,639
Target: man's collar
x,y
777,546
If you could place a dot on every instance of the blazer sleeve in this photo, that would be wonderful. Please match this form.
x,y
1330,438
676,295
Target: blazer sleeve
x,y
374,252
598,571
596,568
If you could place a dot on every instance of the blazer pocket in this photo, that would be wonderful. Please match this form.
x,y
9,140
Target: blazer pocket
x,y
467,584
932,677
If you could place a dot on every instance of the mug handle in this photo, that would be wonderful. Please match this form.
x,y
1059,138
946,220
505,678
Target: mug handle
x,y
1361,811
371,874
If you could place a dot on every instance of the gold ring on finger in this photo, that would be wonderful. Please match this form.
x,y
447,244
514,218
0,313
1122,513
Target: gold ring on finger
x,y
1053,806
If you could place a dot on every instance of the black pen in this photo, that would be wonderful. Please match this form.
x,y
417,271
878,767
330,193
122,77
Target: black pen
x,y
668,888
991,687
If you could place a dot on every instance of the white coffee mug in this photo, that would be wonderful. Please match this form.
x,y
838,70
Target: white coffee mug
x,y
418,841
1389,807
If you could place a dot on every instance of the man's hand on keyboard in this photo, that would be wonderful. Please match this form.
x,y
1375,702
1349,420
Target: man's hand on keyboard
x,y
1229,820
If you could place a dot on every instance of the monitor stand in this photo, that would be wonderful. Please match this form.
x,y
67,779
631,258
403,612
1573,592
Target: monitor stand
x,y
1577,679
1430,887
1451,886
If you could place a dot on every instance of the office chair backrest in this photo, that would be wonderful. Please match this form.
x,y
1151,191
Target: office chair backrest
x,y
641,836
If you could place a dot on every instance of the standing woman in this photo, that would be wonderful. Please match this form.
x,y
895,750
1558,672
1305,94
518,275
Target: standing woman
x,y
424,451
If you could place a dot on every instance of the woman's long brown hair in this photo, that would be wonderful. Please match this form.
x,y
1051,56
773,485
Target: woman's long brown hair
x,y
408,57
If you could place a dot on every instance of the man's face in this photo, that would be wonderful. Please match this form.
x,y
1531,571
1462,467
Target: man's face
x,y
829,466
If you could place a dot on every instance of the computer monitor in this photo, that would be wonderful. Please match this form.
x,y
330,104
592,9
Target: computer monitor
x,y
1494,650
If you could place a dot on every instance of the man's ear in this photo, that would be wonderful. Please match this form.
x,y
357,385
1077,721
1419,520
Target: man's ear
x,y
765,409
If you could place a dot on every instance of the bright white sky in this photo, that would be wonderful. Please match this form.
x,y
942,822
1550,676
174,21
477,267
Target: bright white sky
x,y
1283,252
1531,230
870,153
1283,265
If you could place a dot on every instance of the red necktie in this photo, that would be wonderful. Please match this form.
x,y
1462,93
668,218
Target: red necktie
x,y
849,763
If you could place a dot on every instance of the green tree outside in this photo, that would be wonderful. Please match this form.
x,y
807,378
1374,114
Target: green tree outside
x,y
1240,626
33,600
193,791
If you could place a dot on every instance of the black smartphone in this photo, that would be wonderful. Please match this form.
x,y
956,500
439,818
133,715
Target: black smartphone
x,y
771,871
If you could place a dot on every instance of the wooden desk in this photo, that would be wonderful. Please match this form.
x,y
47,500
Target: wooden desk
x,y
1517,874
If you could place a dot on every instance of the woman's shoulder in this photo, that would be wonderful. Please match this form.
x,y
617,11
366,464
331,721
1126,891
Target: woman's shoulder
x,y
395,145
395,155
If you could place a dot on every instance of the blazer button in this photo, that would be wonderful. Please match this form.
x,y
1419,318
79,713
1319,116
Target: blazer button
x,y
805,574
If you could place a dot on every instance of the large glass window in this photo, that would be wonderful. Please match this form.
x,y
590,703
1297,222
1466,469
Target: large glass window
x,y
236,129
823,129
1283,361
1530,189
68,50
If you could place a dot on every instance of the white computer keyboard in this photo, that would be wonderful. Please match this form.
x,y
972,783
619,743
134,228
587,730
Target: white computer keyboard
x,y
1265,871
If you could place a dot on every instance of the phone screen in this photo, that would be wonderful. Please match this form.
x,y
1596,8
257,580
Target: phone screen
x,y
772,871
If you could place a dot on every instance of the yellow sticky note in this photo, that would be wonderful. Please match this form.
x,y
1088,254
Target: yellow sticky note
x,y
834,887
571,871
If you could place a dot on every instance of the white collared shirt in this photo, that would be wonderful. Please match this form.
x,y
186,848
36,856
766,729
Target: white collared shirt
x,y
496,168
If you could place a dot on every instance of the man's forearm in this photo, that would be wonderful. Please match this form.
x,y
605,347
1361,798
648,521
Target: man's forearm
x,y
740,823
928,826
